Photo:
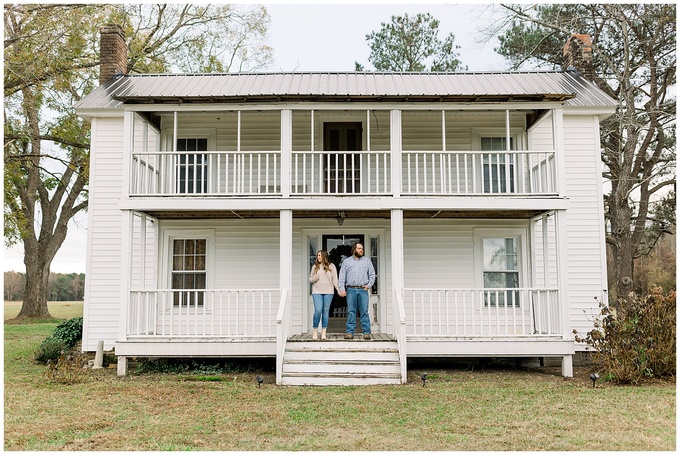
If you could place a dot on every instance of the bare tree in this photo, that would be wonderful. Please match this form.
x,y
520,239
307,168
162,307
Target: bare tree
x,y
51,61
634,61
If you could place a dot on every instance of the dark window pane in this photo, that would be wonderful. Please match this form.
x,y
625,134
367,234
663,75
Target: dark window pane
x,y
178,246
200,246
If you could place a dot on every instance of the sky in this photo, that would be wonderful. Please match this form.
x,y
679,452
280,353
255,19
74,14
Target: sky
x,y
322,37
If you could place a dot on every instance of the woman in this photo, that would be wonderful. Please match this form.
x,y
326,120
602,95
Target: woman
x,y
324,279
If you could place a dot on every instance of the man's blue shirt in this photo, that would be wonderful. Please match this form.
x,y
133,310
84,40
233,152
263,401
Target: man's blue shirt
x,y
355,272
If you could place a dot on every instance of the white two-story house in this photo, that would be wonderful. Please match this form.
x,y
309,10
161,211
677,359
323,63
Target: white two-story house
x,y
478,197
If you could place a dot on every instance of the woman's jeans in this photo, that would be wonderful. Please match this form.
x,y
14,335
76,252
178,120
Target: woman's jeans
x,y
322,303
357,298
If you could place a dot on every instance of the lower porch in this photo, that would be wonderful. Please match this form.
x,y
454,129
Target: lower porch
x,y
383,359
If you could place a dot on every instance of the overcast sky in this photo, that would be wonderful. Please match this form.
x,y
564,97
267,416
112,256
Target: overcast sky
x,y
331,37
323,37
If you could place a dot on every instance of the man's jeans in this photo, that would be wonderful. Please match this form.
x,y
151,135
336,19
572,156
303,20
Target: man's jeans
x,y
357,297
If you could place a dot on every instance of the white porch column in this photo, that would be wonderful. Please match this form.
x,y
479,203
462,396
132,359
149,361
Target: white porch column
x,y
397,236
285,284
286,150
558,145
563,284
395,151
127,221
286,250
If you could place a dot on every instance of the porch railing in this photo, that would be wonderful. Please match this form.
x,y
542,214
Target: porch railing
x,y
206,173
360,172
517,312
203,312
476,172
441,173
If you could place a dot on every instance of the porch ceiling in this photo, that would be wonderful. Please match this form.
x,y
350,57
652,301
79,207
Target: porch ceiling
x,y
348,214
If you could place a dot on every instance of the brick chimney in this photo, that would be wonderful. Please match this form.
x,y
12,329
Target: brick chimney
x,y
578,53
112,52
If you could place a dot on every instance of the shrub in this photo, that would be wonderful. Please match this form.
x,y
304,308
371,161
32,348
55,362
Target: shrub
x,y
65,336
635,338
71,331
50,350
201,366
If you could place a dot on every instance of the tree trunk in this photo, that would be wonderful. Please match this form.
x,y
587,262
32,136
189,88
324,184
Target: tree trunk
x,y
623,249
37,279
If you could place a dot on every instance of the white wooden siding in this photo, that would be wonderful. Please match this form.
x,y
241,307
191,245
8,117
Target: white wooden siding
x,y
144,253
259,131
102,295
423,130
585,218
540,137
544,270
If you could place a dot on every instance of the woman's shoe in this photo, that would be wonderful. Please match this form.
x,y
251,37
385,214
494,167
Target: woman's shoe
x,y
315,334
323,334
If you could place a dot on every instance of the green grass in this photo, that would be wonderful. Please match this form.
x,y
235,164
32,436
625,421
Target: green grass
x,y
457,410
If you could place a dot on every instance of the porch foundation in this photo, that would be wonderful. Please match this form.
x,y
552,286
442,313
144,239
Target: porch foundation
x,y
567,366
122,365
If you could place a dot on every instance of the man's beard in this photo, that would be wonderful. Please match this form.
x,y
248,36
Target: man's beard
x,y
357,254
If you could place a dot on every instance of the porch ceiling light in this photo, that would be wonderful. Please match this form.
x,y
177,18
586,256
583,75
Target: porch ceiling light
x,y
340,218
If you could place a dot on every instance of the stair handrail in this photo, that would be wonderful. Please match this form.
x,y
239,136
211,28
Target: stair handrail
x,y
400,329
282,327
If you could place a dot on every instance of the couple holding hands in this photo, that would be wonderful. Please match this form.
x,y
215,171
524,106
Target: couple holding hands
x,y
356,278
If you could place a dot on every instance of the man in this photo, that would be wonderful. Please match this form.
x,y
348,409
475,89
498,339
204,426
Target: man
x,y
357,276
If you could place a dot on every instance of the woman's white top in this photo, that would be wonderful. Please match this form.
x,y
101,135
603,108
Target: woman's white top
x,y
324,282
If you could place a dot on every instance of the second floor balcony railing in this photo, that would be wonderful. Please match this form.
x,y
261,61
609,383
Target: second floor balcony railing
x,y
427,173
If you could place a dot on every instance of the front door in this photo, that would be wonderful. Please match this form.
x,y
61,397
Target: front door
x,y
342,171
339,247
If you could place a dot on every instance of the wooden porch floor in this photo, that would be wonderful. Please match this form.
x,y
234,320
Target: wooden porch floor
x,y
341,337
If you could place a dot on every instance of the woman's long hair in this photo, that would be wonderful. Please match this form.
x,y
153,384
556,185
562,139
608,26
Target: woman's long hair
x,y
325,261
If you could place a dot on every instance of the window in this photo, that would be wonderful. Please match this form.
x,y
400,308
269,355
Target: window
x,y
192,167
373,255
501,271
189,271
498,169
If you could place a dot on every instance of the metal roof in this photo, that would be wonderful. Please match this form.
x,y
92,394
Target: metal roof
x,y
563,86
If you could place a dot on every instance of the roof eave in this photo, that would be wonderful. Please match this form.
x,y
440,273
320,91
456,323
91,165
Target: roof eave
x,y
458,98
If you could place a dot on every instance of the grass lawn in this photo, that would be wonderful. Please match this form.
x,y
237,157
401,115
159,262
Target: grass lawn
x,y
457,410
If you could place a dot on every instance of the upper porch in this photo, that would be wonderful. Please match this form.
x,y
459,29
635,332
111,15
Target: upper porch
x,y
488,152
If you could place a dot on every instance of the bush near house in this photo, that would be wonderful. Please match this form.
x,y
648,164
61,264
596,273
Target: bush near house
x,y
64,338
635,339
